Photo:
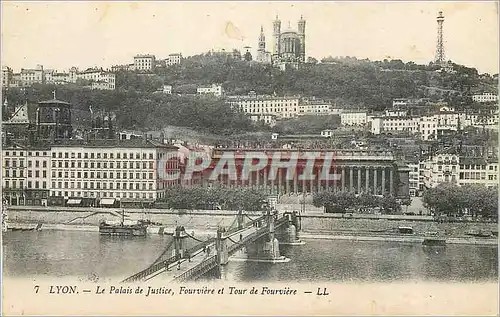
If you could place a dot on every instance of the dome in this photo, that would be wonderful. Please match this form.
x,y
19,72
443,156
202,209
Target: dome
x,y
289,34
289,29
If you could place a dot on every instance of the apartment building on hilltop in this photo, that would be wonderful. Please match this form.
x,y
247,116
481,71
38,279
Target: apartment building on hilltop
x,y
353,118
485,97
173,59
144,62
98,78
214,90
266,105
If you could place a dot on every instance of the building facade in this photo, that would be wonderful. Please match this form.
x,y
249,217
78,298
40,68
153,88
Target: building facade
x,y
357,171
6,76
268,119
167,89
441,168
99,79
353,118
311,107
77,174
263,56
485,97
253,104
144,62
173,59
289,46
451,168
214,90
478,171
29,77
414,178
14,175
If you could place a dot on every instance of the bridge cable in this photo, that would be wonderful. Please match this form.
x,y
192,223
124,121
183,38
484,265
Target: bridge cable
x,y
235,242
250,217
167,248
234,221
192,237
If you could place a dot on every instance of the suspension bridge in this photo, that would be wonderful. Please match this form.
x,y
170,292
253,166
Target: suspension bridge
x,y
259,237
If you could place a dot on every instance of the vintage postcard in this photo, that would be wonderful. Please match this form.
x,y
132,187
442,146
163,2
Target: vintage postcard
x,y
249,158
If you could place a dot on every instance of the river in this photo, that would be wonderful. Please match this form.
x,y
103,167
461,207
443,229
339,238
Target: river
x,y
79,254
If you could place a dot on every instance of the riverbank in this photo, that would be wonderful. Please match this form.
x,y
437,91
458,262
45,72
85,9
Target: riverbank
x,y
402,239
90,228
353,226
351,236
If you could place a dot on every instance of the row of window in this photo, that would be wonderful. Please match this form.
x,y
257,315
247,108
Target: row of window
x,y
465,166
97,175
37,153
21,173
14,184
477,175
98,155
103,155
124,165
85,185
103,194
267,103
478,167
105,175
14,162
259,110
102,185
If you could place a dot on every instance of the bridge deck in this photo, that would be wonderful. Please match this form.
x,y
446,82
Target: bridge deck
x,y
203,255
202,261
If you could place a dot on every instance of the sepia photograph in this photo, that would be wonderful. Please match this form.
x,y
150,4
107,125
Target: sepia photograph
x,y
249,158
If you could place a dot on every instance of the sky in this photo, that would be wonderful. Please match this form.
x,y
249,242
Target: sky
x,y
59,35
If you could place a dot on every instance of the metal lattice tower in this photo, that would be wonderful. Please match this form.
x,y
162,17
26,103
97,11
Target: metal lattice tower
x,y
440,58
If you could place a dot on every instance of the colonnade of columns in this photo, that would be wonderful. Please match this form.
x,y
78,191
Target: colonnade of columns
x,y
376,180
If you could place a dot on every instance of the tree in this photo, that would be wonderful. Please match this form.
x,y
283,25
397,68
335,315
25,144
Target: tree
x,y
452,200
367,201
214,198
445,199
312,60
390,205
480,200
334,202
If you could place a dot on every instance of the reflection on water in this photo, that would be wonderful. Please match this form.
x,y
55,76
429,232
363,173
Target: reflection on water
x,y
83,254
340,260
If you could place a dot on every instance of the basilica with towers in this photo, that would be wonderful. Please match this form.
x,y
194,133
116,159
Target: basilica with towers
x,y
289,46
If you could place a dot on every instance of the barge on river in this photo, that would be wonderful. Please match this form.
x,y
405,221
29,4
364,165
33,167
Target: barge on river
x,y
122,229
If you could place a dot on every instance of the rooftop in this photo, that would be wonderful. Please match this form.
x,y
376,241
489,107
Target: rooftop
x,y
144,55
115,143
54,101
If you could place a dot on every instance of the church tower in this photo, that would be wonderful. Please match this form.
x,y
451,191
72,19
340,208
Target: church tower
x,y
276,37
262,41
302,36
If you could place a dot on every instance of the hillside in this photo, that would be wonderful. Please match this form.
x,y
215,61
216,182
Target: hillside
x,y
347,82
141,110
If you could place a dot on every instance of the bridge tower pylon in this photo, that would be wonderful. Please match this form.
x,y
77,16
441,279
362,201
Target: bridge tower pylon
x,y
290,235
221,249
241,220
179,236
266,247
